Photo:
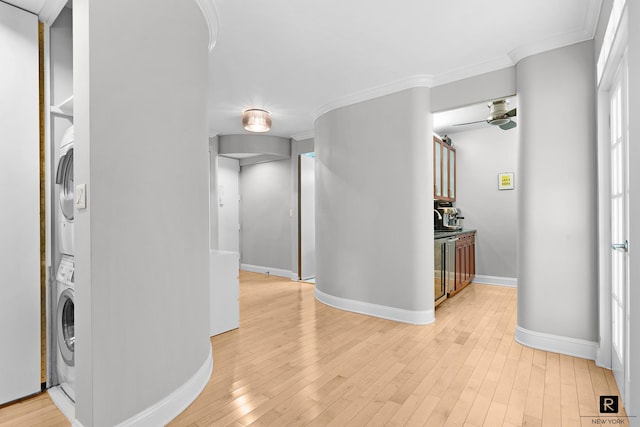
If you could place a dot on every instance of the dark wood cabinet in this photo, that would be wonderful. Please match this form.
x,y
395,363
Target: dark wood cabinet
x,y
465,261
444,171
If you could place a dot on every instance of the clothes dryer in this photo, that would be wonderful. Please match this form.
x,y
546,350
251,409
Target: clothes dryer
x,y
64,181
65,326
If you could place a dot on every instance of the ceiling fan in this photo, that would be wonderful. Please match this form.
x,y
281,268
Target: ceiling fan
x,y
499,115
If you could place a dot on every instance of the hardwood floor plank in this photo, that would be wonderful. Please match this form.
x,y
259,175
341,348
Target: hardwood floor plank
x,y
295,361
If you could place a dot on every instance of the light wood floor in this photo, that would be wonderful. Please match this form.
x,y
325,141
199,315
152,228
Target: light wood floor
x,y
295,361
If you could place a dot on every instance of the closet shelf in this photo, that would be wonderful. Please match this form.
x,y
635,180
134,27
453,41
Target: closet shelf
x,y
65,108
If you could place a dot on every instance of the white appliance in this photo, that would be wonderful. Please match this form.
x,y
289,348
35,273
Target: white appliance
x,y
65,326
224,291
64,181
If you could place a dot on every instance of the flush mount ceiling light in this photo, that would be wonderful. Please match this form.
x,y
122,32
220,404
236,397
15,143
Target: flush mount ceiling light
x,y
256,120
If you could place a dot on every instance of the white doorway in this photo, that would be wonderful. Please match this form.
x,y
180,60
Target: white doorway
x,y
615,202
228,204
619,211
307,219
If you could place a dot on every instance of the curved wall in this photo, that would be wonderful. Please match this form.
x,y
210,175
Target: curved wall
x,y
557,201
374,237
142,245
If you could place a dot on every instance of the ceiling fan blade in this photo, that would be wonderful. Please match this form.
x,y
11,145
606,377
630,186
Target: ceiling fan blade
x,y
470,123
509,125
511,113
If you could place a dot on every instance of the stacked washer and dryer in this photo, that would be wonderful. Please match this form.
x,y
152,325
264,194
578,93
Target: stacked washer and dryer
x,y
65,287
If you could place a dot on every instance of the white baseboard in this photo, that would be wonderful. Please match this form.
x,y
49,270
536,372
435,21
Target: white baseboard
x,y
511,282
423,317
171,406
557,344
268,270
64,404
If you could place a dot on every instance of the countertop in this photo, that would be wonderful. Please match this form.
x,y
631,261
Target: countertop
x,y
441,234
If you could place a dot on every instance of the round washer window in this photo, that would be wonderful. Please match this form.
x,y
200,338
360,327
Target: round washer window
x,y
66,185
66,327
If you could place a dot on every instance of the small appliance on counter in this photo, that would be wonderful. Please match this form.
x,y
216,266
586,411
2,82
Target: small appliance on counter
x,y
447,217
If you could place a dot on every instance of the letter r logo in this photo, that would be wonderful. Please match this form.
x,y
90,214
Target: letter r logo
x,y
608,404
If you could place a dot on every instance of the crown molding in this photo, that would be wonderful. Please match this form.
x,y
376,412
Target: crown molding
x,y
211,17
552,43
375,92
465,72
592,16
303,135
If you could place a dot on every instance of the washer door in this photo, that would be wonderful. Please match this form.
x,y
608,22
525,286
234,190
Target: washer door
x,y
64,178
66,327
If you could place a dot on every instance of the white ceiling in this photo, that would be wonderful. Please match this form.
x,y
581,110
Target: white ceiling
x,y
300,58
296,58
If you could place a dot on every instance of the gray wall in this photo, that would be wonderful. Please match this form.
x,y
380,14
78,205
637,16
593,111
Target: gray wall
x,y
472,90
481,155
265,235
142,267
557,252
374,236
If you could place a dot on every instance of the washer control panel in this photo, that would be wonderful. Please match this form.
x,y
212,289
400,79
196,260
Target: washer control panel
x,y
66,270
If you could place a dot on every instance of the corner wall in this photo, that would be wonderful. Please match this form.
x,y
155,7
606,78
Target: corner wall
x,y
142,245
557,243
481,155
374,235
265,211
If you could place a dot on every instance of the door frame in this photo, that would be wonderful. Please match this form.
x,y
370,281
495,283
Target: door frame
x,y
617,57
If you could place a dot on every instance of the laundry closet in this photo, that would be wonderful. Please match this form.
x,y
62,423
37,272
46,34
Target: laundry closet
x,y
127,256
61,262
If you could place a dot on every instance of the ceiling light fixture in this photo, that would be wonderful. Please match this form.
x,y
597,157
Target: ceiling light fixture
x,y
256,120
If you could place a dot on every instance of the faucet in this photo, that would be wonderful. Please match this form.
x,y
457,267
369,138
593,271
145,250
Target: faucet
x,y
438,213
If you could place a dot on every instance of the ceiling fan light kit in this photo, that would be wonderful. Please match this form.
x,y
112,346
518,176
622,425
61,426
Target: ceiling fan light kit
x,y
256,120
499,115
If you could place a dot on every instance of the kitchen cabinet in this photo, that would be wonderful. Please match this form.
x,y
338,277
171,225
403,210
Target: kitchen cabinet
x,y
444,171
465,262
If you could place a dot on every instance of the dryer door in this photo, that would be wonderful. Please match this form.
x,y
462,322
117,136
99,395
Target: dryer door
x,y
64,178
66,327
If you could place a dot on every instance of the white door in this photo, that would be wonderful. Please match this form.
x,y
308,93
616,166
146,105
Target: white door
x,y
307,216
20,205
619,131
228,204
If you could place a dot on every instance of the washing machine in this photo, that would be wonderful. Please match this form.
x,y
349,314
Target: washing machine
x,y
64,181
65,326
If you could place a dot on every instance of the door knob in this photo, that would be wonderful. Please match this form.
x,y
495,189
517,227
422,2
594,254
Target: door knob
x,y
624,246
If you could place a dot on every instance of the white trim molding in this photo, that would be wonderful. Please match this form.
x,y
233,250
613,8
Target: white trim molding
x,y
268,270
423,317
472,70
375,92
510,282
171,406
64,404
310,134
557,344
